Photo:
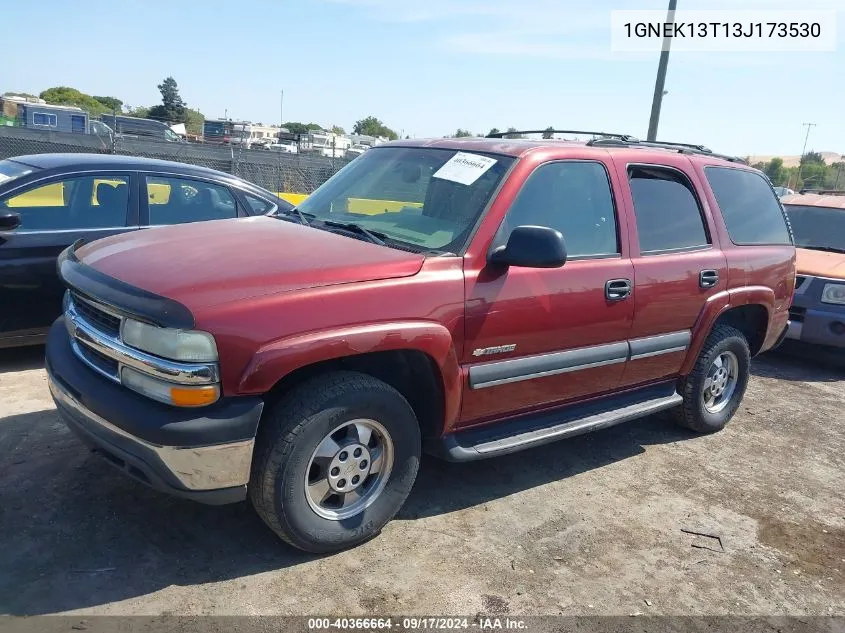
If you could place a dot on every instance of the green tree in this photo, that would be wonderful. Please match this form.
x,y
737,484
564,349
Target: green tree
x,y
812,157
837,175
338,130
140,111
814,175
172,108
493,130
64,95
371,126
775,171
512,133
20,94
461,133
113,104
549,132
194,122
294,127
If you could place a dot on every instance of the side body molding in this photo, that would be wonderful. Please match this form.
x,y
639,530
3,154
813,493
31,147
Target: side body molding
x,y
540,365
283,356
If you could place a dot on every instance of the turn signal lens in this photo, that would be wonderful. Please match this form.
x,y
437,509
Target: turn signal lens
x,y
167,392
193,396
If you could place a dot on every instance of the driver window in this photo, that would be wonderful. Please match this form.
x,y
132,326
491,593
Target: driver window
x,y
572,197
73,203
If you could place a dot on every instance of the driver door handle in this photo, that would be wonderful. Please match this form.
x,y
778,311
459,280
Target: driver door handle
x,y
617,289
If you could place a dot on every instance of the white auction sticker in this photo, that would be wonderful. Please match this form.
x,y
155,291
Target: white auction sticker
x,y
464,168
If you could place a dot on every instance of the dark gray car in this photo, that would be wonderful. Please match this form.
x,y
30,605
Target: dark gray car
x,y
48,201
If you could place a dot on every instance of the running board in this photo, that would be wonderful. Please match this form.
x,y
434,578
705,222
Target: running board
x,y
549,426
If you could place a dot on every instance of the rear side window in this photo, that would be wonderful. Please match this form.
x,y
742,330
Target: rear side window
x,y
668,215
180,200
572,197
751,210
259,206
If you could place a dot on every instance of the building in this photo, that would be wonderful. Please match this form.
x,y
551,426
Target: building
x,y
53,118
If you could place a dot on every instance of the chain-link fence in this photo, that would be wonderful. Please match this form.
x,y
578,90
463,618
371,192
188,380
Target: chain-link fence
x,y
273,170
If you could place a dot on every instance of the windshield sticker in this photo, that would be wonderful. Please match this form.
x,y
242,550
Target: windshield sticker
x,y
464,168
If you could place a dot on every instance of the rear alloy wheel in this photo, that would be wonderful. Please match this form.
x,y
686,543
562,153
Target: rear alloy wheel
x,y
713,391
721,381
334,461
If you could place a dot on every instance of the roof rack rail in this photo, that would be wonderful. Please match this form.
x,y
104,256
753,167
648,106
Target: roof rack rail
x,y
605,134
824,192
683,148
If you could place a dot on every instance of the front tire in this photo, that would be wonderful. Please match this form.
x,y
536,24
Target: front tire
x,y
334,461
713,391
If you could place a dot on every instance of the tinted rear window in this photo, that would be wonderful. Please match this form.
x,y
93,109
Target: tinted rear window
x,y
751,210
821,228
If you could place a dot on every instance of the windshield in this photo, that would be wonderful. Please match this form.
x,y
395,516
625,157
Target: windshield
x,y
9,170
423,199
817,227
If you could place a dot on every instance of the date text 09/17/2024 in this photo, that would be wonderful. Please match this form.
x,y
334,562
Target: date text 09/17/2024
x,y
416,623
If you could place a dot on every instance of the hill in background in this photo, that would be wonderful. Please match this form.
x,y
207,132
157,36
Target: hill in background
x,y
793,161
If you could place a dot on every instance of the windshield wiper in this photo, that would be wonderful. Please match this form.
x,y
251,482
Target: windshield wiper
x,y
376,237
299,214
826,249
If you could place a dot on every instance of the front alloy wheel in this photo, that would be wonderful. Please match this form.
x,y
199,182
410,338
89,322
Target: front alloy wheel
x,y
349,469
334,461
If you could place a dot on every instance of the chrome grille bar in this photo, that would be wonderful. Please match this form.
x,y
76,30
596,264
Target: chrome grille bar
x,y
84,332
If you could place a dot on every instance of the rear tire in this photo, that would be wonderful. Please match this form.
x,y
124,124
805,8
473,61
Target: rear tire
x,y
713,391
334,461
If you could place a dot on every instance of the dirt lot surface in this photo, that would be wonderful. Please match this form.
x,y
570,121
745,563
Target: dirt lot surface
x,y
640,518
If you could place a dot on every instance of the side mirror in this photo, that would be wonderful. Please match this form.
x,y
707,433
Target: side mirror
x,y
9,220
531,247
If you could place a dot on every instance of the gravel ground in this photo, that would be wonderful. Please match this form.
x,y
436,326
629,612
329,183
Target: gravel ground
x,y
641,518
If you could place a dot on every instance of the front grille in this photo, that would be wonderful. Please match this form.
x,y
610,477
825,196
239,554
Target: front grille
x,y
799,281
797,314
100,319
104,364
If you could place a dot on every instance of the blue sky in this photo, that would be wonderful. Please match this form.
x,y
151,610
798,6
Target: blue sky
x,y
427,68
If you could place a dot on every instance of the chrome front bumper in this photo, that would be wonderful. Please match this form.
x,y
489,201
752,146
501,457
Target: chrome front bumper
x,y
193,469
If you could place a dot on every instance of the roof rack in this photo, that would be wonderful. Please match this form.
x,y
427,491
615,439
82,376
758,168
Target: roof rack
x,y
612,139
824,192
682,148
605,134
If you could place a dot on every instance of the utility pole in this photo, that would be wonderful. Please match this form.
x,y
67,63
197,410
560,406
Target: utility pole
x,y
282,109
657,100
804,150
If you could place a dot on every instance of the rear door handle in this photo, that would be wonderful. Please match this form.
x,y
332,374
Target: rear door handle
x,y
708,278
617,289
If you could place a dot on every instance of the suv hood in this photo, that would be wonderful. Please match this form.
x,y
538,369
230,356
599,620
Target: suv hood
x,y
208,263
820,263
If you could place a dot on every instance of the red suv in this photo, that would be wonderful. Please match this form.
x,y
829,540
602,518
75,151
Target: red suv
x,y
470,297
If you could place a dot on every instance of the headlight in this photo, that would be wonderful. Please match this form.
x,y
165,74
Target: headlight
x,y
178,395
834,293
185,345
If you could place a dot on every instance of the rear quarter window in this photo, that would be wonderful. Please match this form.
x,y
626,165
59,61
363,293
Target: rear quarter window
x,y
752,212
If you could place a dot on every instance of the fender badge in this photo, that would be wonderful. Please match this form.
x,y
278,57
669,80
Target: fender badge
x,y
498,349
